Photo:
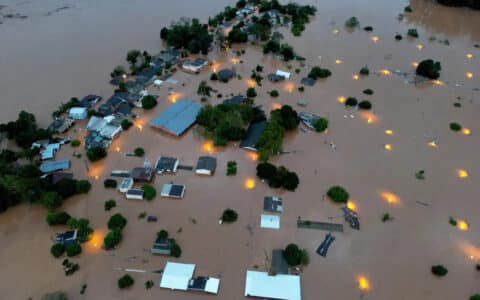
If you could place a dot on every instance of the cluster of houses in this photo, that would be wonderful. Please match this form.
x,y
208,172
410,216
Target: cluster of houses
x,y
206,165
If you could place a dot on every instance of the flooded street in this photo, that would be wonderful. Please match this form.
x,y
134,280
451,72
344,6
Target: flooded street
x,y
56,54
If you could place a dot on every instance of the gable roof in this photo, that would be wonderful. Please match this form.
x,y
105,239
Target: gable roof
x,y
176,276
253,134
177,118
55,165
284,287
239,99
166,164
279,263
206,163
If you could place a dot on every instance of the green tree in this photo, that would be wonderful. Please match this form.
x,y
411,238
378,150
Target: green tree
x,y
110,183
73,249
429,68
162,234
113,238
57,250
229,215
338,194
109,204
455,126
149,102
204,89
251,92
318,72
139,152
96,153
365,104
266,170
175,250
117,221
125,281
83,186
51,200
321,124
294,255
132,57
57,218
439,270
149,191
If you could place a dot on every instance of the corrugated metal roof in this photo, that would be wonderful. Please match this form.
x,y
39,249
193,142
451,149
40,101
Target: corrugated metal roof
x,y
178,117
254,132
55,165
176,276
260,284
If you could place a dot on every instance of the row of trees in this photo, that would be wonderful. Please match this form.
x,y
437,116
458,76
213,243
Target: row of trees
x,y
24,130
281,120
227,122
274,46
116,223
277,177
188,34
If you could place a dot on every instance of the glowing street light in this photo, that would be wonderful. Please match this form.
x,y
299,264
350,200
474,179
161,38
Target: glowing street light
x,y
249,183
469,55
388,147
375,38
462,225
466,131
338,61
208,147
461,173
355,77
390,197
419,46
469,75
351,205
363,283
415,64
433,144
342,99
386,72
389,132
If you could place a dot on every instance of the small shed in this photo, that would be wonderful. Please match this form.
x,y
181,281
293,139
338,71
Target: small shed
x,y
166,164
125,185
176,276
308,81
136,194
162,246
67,237
270,221
275,78
279,263
272,204
173,191
284,74
78,113
206,165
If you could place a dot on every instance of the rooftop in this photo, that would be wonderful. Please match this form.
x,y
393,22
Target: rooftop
x,y
253,134
142,174
239,99
272,204
279,263
207,163
166,164
55,165
173,190
176,276
284,287
177,118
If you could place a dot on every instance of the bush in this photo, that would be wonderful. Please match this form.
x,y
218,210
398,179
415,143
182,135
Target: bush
x,y
110,183
321,125
351,101
117,221
51,200
368,92
338,194
109,204
439,270
149,191
290,181
162,234
73,249
75,143
175,250
126,124
251,92
214,77
266,170
274,93
113,238
83,186
301,89
294,255
149,102
57,250
364,71
365,104
455,126
96,153
368,28
412,32
398,37
318,72
475,297
149,284
408,9
231,168
429,68
352,22
125,281
59,218
139,152
386,217
259,68
55,296
229,215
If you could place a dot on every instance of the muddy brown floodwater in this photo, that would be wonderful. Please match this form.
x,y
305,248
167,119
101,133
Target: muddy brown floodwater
x,y
47,59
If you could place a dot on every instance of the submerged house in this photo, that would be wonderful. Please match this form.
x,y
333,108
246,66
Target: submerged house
x,y
125,185
206,165
194,66
239,99
67,237
279,263
136,194
61,125
177,118
309,119
179,276
55,165
162,246
89,101
142,174
225,75
254,132
272,204
77,113
166,164
281,286
173,191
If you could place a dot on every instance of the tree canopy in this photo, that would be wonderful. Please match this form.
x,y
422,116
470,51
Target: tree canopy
x,y
429,68
188,34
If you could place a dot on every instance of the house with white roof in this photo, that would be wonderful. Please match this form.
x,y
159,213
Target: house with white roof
x,y
281,286
179,276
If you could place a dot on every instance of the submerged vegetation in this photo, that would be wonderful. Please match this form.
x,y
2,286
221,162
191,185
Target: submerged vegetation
x,y
188,34
277,177
429,68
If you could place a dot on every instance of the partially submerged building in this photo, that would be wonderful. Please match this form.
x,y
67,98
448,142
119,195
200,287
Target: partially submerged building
x,y
162,246
144,174
179,276
272,204
279,263
351,217
239,99
77,113
309,119
173,191
61,125
254,132
195,65
206,165
67,237
166,164
270,221
136,194
308,81
281,286
125,185
225,75
55,165
177,118
89,101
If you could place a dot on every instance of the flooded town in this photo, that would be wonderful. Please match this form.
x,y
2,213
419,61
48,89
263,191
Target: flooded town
x,y
239,149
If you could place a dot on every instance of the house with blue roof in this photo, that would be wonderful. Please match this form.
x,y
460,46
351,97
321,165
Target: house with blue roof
x,y
177,118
